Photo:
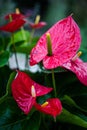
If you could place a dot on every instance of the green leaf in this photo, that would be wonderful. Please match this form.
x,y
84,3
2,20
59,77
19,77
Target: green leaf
x,y
68,117
84,55
20,37
10,115
25,49
1,43
5,72
4,56
71,103
12,118
35,40
33,123
8,88
84,38
81,100
57,70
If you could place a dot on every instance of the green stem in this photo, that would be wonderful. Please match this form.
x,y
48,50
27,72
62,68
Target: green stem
x,y
30,41
23,34
49,49
15,51
26,42
31,36
54,84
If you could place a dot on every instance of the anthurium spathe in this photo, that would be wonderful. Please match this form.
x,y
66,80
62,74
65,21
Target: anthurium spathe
x,y
37,25
65,38
25,91
15,16
13,25
52,107
78,67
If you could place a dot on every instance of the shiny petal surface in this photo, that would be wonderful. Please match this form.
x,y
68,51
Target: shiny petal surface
x,y
24,100
24,82
79,68
13,26
51,62
66,39
21,90
24,79
37,26
15,16
53,108
41,90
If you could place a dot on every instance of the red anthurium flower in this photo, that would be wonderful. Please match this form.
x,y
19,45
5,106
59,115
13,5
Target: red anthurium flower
x,y
15,16
79,68
65,38
37,25
52,107
13,26
25,91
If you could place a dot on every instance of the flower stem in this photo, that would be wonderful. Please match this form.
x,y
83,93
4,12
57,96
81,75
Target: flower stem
x,y
15,51
49,49
54,84
31,36
23,34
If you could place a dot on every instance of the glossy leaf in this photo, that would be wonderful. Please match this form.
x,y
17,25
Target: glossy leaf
x,y
11,117
68,117
72,104
84,55
4,56
20,38
8,88
26,48
33,123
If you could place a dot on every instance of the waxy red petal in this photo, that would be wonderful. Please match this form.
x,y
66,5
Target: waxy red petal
x,y
15,16
21,94
13,26
66,39
26,83
79,68
37,26
24,101
53,108
21,90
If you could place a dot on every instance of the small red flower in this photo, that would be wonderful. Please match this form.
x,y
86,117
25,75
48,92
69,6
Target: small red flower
x,y
15,16
52,107
65,38
25,91
78,67
13,26
37,25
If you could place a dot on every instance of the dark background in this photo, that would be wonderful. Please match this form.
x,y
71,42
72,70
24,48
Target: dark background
x,y
50,11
